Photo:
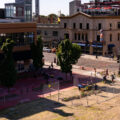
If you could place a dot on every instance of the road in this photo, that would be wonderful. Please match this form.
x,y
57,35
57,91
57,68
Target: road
x,y
92,63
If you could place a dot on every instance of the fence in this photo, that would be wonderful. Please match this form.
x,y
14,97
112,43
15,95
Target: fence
x,y
92,97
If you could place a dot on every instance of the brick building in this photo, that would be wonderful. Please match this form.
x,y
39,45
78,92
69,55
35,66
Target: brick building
x,y
23,34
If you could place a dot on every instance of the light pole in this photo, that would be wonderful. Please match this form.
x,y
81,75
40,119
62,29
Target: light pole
x,y
96,50
119,64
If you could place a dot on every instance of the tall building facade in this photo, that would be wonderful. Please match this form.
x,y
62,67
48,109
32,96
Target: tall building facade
x,y
74,7
37,7
21,9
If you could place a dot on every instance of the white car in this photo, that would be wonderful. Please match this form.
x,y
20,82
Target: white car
x,y
46,49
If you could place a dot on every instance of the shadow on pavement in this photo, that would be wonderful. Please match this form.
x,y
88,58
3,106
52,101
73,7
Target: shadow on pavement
x,y
28,109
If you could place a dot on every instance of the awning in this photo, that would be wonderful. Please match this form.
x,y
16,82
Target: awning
x,y
82,44
98,46
111,45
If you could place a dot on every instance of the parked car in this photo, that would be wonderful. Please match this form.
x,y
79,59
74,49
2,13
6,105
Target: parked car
x,y
46,49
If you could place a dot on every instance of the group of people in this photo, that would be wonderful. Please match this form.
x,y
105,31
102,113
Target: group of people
x,y
107,74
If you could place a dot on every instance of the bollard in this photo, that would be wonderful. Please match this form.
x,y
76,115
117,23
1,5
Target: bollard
x,y
87,100
113,92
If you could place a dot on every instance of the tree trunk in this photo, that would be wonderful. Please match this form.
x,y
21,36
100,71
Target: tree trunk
x,y
66,76
71,78
8,89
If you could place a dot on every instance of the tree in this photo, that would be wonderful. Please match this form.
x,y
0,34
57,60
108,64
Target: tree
x,y
52,18
37,53
62,15
8,73
68,54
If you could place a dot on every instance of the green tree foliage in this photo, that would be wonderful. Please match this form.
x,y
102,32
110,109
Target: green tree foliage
x,y
8,73
52,18
37,53
68,54
62,15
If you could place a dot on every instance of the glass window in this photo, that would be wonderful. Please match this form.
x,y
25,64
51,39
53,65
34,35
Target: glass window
x,y
55,33
65,25
83,37
118,36
74,25
110,25
75,36
79,36
118,25
110,37
87,26
80,25
45,33
99,26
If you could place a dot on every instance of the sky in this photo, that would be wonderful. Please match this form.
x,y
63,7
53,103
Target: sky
x,y
48,6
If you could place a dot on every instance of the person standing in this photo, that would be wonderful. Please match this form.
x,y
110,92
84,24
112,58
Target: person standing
x,y
54,60
107,72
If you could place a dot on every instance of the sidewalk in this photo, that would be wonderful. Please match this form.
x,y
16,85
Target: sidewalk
x,y
100,58
86,72
78,70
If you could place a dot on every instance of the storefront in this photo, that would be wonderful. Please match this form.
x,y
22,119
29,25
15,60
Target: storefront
x,y
85,48
97,48
110,48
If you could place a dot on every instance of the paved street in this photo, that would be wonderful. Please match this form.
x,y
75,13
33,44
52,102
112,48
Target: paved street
x,y
90,61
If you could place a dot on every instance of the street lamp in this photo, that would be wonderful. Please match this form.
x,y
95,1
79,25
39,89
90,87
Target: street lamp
x,y
96,50
119,64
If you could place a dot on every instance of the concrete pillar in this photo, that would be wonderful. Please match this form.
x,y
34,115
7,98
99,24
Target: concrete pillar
x,y
91,50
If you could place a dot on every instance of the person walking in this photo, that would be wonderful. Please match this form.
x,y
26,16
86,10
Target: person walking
x,y
113,77
104,78
52,65
107,72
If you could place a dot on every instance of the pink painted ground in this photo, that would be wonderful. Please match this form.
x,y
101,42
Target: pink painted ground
x,y
23,89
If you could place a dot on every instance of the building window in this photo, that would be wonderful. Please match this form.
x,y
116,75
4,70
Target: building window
x,y
78,10
83,37
118,25
99,26
45,33
87,26
80,25
110,26
65,25
55,33
110,37
75,36
86,37
66,36
79,36
74,25
98,38
118,36
38,32
20,66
